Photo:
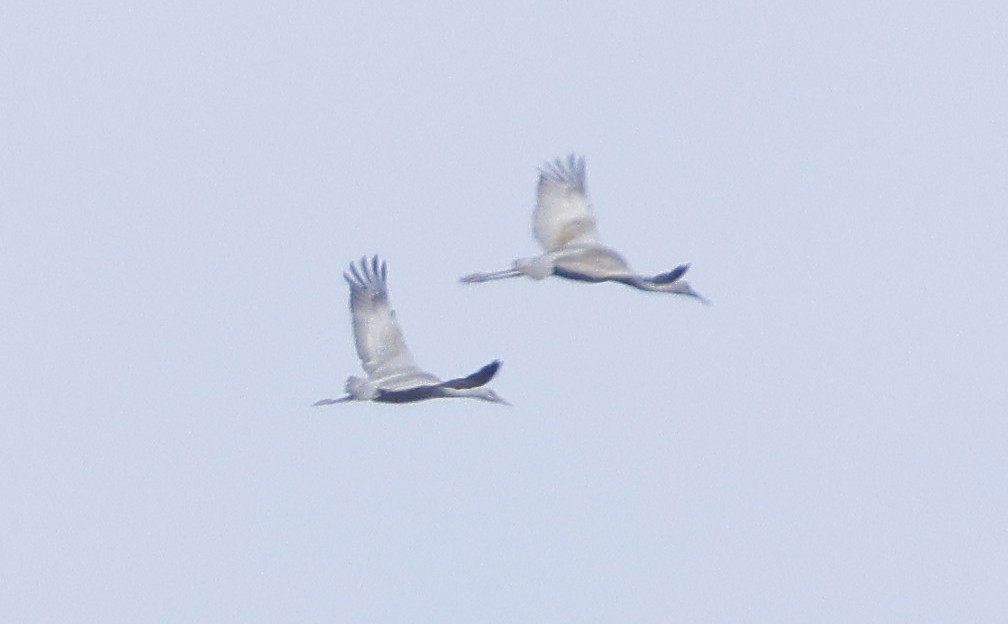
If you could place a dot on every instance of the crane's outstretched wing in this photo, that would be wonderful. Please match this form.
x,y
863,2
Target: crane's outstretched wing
x,y
563,215
380,343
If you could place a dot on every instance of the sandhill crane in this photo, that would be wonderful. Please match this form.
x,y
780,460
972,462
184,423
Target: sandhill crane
x,y
392,375
564,223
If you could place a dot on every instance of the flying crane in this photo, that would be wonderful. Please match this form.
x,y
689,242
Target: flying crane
x,y
392,374
564,224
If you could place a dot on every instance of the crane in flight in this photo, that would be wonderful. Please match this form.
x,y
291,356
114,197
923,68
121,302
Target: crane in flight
x,y
564,223
392,375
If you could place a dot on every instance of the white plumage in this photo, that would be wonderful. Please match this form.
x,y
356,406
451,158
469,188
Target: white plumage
x,y
563,216
392,374
564,224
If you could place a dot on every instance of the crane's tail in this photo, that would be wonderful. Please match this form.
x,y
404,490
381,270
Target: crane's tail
x,y
479,378
671,276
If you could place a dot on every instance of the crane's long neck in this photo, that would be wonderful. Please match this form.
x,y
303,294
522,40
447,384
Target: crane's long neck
x,y
474,278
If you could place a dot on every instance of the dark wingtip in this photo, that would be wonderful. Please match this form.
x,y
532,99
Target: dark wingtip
x,y
356,274
577,164
560,169
367,271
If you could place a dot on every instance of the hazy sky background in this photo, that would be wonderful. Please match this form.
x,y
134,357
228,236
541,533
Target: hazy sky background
x,y
182,186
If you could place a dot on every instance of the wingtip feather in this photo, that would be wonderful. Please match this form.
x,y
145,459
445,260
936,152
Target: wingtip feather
x,y
569,171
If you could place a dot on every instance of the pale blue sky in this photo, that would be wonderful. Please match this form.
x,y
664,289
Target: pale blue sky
x,y
182,186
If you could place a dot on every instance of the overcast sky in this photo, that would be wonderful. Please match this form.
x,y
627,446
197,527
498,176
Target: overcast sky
x,y
182,185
